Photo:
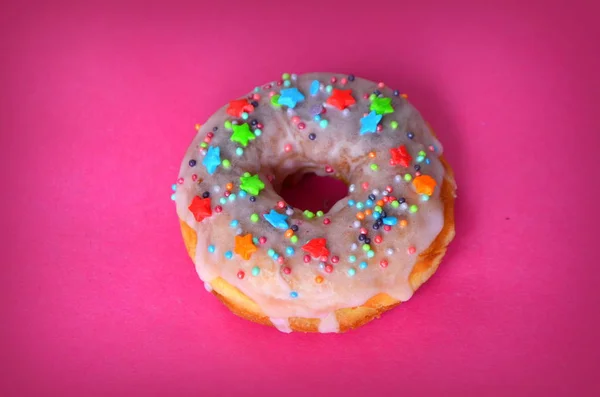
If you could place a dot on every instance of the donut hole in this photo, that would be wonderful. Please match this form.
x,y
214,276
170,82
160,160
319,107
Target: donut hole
x,y
309,191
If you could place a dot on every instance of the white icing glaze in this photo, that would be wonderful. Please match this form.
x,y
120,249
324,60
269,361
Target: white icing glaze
x,y
340,146
329,324
282,324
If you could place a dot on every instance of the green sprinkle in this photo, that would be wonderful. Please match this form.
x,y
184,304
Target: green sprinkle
x,y
422,153
394,124
329,88
287,83
420,159
232,197
285,76
245,115
204,145
256,89
352,258
408,177
374,167
258,132
320,213
324,123
366,247
351,271
254,218
370,254
271,252
227,124
294,239
274,100
239,151
424,197
255,271
395,204
309,214
223,200
372,97
413,208
226,163
378,208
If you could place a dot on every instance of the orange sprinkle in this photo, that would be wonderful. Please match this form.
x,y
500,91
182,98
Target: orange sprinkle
x,y
379,203
368,212
424,184
404,96
289,233
403,223
360,215
197,126
229,186
319,279
372,155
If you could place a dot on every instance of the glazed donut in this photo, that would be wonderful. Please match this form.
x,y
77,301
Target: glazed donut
x,y
315,272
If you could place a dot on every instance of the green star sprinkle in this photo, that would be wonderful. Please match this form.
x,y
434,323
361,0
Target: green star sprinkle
x,y
382,105
242,134
251,184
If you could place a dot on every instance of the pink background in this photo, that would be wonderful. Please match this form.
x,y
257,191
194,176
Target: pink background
x,y
98,106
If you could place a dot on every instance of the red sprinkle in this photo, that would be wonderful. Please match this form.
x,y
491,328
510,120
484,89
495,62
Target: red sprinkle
x,y
280,82
333,79
295,119
207,139
287,148
328,268
383,263
301,126
256,97
365,185
366,96
227,193
380,85
328,169
262,240
389,189
323,258
240,274
378,239
194,177
335,259
343,81
387,228
280,260
218,209
326,221
412,250
306,258
280,204
180,181
379,127
210,134
363,230
286,269
386,199
259,125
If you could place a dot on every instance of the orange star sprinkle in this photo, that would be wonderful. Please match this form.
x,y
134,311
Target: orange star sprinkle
x,y
424,184
341,99
244,246
200,207
239,106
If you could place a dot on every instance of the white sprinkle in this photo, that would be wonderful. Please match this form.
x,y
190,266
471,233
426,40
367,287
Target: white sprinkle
x,y
294,76
375,192
322,265
321,86
289,212
403,206
238,231
346,112
397,179
353,247
386,193
217,188
234,122
351,188
290,112
356,224
389,251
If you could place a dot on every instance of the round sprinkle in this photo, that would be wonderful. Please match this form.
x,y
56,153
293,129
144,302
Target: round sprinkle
x,y
403,222
351,203
228,254
352,258
394,124
366,247
232,197
254,218
204,145
222,200
294,239
293,294
326,221
206,194
362,265
335,259
353,247
245,115
306,258
271,252
234,223
240,274
356,224
320,213
407,177
328,89
285,76
226,163
374,167
378,239
370,254
328,268
287,148
218,209
351,77
323,123
258,132
413,208
411,250
383,263
286,269
255,271
289,251
287,83
312,136
351,272
319,279
239,151
211,248
192,163
227,124
360,205
262,240
410,135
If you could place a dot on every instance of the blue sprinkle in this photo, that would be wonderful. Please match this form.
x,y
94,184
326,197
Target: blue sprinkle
x,y
314,87
376,214
363,265
173,197
232,197
287,83
258,132
351,271
290,251
242,193
234,223
211,248
424,197
275,256
351,203
369,203
390,220
293,294
317,117
173,187
427,161
228,254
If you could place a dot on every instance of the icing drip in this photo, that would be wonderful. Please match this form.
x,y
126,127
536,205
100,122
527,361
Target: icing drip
x,y
282,324
329,324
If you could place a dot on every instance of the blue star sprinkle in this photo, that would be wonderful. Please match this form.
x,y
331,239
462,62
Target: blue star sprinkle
x,y
212,159
290,97
314,87
276,219
369,123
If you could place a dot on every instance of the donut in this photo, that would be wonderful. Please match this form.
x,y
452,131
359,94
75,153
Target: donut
x,y
298,270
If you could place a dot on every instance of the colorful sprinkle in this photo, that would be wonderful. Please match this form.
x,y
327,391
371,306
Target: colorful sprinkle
x,y
290,97
254,218
368,124
228,254
351,272
276,219
211,248
255,271
382,106
341,99
251,184
293,294
212,159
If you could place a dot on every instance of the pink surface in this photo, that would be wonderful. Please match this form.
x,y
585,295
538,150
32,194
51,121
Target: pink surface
x,y
98,106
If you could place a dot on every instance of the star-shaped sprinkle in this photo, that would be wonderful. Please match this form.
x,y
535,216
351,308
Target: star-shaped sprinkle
x,y
341,99
290,97
400,156
424,184
212,159
239,106
314,87
277,220
382,105
316,247
251,184
244,246
200,207
369,123
242,134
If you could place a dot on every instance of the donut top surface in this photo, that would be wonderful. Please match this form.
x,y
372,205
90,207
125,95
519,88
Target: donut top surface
x,y
298,263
